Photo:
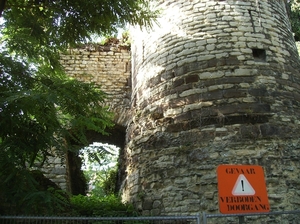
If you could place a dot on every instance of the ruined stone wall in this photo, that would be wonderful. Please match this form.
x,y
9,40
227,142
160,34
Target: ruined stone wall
x,y
55,169
217,82
108,66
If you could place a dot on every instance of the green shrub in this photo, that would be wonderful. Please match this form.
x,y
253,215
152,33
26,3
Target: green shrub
x,y
28,192
107,185
109,206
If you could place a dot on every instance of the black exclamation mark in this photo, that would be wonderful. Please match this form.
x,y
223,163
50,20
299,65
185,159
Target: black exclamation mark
x,y
242,182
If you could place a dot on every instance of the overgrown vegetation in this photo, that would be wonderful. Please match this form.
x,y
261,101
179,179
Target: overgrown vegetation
x,y
295,17
100,168
42,110
101,206
32,193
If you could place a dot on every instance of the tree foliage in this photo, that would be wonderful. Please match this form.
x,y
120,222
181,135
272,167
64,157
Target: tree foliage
x,y
100,168
38,28
295,17
41,108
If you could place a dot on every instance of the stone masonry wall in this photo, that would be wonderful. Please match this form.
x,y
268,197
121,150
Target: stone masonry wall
x,y
217,82
55,169
108,66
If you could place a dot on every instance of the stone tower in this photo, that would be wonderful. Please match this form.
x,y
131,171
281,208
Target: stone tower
x,y
215,82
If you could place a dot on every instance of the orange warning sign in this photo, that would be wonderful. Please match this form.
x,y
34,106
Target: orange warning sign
x,y
242,189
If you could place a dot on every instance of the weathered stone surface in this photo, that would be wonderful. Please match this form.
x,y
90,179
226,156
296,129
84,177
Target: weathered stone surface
x,y
231,90
108,66
210,87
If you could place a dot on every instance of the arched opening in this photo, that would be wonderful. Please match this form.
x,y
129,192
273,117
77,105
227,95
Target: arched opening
x,y
76,180
99,166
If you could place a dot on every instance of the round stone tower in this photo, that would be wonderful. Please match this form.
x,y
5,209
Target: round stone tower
x,y
215,82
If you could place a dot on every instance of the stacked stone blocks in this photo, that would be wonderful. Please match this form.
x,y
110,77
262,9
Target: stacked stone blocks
x,y
108,66
216,83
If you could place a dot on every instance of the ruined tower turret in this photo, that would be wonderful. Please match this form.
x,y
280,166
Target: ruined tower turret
x,y
216,82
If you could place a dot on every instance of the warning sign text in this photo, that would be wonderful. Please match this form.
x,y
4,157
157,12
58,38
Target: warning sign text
x,y
242,189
